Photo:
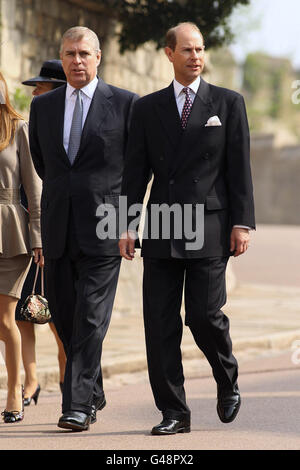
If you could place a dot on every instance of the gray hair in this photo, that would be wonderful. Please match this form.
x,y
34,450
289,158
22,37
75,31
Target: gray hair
x,y
77,33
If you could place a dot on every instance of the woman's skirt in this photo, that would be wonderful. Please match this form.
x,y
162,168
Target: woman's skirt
x,y
13,272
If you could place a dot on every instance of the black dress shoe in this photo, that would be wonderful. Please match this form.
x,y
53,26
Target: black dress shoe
x,y
171,426
75,420
229,402
97,406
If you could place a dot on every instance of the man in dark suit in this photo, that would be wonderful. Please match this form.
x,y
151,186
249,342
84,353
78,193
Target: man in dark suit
x,y
78,134
194,137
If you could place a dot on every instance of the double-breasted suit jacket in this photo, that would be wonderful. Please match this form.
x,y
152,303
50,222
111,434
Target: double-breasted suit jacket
x,y
201,165
96,174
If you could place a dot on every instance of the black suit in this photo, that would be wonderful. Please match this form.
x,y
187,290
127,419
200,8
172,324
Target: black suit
x,y
200,165
81,269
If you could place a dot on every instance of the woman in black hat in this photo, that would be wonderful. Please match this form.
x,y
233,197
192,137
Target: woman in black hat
x,y
51,76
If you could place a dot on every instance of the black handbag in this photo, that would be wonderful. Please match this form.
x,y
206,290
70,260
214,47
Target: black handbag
x,y
35,308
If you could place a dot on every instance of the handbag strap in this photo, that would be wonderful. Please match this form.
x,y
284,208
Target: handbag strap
x,y
35,279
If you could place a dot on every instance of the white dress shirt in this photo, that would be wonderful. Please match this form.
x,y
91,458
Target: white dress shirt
x,y
87,96
180,95
180,99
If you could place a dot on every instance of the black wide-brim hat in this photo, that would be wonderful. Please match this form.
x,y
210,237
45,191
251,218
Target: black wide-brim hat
x,y
51,72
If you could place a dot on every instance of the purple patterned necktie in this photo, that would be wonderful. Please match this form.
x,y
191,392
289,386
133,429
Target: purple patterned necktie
x,y
186,108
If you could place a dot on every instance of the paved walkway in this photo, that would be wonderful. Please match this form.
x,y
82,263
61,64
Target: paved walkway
x,y
268,419
264,310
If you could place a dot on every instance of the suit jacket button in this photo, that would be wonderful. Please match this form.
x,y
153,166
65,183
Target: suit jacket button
x,y
171,182
206,156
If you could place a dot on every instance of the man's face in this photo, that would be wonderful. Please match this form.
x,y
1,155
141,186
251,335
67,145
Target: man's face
x,y
188,56
79,61
42,87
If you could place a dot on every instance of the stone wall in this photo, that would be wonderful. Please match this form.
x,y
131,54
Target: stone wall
x,y
143,71
31,31
276,177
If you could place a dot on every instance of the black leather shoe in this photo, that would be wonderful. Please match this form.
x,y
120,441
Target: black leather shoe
x,y
171,426
97,406
229,402
75,420
33,397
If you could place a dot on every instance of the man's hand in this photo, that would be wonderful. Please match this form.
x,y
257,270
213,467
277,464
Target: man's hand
x,y
38,257
126,245
239,240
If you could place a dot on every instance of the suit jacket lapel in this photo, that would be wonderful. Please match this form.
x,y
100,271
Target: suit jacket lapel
x,y
57,120
168,114
200,112
94,118
201,107
98,110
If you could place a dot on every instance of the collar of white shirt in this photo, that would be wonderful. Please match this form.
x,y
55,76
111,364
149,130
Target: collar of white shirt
x,y
178,87
88,89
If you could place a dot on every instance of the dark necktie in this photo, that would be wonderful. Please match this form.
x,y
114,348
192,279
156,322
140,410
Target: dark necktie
x,y
76,128
186,108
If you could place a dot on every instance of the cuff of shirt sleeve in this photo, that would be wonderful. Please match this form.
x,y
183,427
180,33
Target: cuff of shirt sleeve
x,y
242,226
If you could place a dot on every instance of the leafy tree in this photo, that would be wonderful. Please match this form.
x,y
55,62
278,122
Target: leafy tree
x,y
145,20
21,100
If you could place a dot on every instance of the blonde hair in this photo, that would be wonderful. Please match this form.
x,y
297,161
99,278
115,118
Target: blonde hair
x,y
9,117
77,33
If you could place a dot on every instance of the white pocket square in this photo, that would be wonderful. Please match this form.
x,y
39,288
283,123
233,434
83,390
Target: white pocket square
x,y
213,121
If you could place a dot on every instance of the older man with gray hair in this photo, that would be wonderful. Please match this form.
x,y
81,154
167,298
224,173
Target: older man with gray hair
x,y
78,134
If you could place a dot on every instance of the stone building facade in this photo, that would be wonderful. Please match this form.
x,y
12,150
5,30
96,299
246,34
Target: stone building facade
x,y
276,176
30,33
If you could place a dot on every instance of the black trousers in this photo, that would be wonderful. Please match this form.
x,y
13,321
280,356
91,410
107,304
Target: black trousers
x,y
203,283
81,292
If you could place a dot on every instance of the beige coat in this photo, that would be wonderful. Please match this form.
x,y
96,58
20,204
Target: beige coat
x,y
19,230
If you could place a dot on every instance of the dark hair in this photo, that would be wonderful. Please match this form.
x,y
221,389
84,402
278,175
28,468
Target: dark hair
x,y
171,36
